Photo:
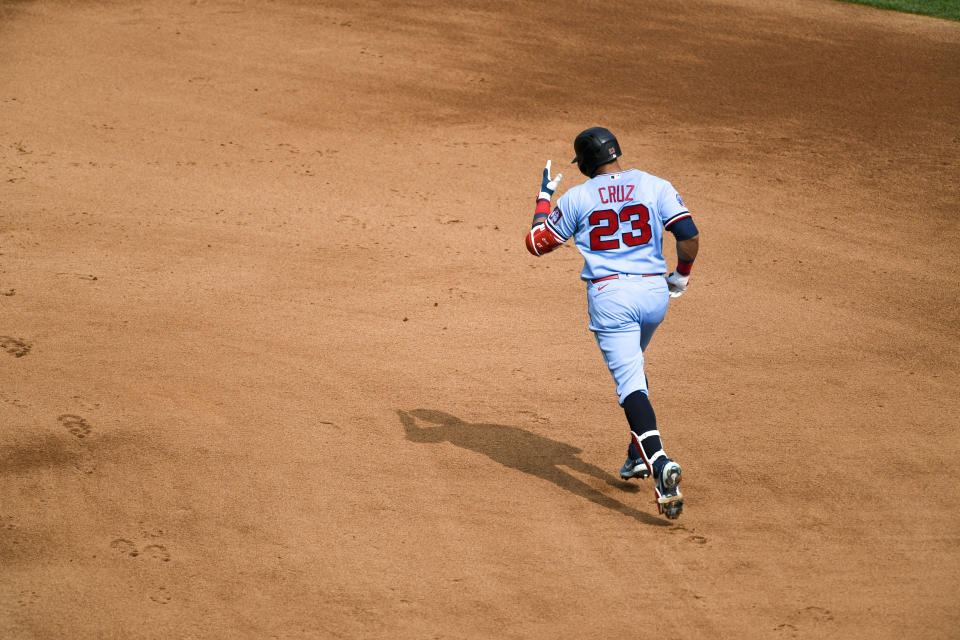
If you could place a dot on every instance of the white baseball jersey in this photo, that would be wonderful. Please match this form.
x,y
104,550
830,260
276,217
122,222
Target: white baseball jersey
x,y
617,221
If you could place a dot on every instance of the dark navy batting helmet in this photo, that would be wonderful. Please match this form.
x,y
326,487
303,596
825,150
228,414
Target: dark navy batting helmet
x,y
594,147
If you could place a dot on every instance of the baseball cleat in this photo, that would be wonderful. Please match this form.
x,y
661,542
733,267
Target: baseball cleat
x,y
669,498
634,468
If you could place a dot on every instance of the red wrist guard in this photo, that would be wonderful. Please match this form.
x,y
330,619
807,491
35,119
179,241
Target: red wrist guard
x,y
683,268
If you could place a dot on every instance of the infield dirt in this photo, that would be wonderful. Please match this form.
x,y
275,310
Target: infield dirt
x,y
276,364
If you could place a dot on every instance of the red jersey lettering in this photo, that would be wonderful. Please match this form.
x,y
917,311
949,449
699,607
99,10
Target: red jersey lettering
x,y
616,193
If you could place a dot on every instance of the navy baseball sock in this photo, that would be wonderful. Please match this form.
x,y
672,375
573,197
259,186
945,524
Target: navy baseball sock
x,y
643,422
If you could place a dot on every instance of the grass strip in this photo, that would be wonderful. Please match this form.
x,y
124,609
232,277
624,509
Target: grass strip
x,y
949,9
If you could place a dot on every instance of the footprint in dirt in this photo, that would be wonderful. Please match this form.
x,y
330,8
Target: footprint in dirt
x,y
125,547
27,598
694,538
805,619
85,404
818,614
156,552
75,424
161,596
14,346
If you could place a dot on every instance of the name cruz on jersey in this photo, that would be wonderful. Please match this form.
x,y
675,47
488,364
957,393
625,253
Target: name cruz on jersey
x,y
616,193
617,221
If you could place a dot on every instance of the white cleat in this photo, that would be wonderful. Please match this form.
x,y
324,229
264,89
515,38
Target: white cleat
x,y
669,498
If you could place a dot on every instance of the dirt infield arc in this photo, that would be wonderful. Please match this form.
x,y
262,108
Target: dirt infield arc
x,y
275,363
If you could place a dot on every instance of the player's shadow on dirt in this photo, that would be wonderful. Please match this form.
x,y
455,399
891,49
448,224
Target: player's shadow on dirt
x,y
47,452
527,452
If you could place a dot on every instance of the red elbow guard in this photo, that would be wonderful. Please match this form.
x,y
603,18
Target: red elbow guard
x,y
542,240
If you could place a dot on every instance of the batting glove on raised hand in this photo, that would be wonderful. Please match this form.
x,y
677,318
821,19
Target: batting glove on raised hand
x,y
677,284
548,185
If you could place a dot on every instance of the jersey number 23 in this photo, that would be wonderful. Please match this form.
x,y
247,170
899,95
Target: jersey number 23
x,y
605,234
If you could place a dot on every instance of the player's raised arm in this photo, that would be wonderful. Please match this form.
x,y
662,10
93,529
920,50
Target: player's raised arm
x,y
542,239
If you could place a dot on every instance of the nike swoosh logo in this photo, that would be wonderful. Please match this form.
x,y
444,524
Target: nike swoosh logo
x,y
600,288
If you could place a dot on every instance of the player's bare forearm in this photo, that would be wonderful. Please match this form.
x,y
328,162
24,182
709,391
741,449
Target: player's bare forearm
x,y
687,249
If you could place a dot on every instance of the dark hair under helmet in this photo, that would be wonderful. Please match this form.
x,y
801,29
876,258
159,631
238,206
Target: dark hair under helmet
x,y
594,147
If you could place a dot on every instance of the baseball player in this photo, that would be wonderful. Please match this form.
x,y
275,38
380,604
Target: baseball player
x,y
617,219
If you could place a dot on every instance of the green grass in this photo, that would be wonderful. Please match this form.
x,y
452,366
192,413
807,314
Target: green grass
x,y
949,9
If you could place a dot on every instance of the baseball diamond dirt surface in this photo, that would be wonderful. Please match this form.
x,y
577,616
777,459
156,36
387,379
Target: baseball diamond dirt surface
x,y
276,364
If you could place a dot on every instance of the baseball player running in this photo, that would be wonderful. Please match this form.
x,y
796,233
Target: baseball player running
x,y
617,219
